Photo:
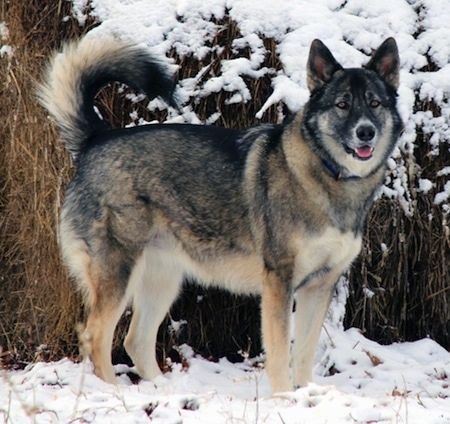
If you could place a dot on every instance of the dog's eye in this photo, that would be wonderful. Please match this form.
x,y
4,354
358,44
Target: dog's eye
x,y
375,103
342,105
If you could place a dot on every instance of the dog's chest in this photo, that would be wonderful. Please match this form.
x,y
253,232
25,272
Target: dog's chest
x,y
328,251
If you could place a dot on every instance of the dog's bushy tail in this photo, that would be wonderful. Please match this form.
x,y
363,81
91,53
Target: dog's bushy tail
x,y
74,76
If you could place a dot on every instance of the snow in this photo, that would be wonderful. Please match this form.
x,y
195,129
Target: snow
x,y
356,380
5,49
425,185
370,383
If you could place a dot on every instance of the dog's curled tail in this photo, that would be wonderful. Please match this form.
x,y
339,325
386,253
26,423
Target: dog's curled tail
x,y
74,76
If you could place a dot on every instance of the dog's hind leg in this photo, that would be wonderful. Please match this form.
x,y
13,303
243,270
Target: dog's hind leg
x,y
155,283
311,307
107,303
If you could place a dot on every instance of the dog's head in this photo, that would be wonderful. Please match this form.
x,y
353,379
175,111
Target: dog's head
x,y
351,118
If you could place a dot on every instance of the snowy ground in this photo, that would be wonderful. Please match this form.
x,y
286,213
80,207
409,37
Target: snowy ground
x,y
402,383
356,380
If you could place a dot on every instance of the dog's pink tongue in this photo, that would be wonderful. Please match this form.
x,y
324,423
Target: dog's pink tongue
x,y
364,152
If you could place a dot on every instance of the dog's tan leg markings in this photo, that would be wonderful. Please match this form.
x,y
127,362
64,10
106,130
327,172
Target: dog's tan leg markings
x,y
107,304
276,303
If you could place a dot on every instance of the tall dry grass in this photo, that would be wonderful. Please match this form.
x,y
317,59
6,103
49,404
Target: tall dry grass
x,y
37,302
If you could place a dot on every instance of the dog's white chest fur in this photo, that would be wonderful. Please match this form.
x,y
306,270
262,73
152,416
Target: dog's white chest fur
x,y
329,250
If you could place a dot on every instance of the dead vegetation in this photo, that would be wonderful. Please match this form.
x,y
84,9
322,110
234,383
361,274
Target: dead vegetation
x,y
38,306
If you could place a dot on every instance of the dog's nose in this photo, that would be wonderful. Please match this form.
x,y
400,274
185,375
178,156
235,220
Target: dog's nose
x,y
365,132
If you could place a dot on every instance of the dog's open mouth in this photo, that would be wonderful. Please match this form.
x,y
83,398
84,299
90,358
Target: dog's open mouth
x,y
361,153
364,152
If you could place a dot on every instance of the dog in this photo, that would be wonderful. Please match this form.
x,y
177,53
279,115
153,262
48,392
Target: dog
x,y
273,210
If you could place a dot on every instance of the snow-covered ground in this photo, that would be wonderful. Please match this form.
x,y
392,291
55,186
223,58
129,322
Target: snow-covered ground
x,y
401,383
356,380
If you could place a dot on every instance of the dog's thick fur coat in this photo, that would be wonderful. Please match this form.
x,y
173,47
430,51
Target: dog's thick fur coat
x,y
272,210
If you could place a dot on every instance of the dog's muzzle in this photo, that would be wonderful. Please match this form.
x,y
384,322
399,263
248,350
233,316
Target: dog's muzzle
x,y
365,134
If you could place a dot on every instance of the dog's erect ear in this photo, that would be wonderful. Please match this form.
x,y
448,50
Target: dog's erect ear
x,y
386,62
321,65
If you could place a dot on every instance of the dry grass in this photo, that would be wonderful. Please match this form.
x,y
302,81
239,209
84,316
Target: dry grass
x,y
37,303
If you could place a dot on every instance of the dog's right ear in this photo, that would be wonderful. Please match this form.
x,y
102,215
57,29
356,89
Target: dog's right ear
x,y
321,65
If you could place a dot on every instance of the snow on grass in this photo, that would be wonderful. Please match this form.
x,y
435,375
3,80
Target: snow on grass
x,y
352,30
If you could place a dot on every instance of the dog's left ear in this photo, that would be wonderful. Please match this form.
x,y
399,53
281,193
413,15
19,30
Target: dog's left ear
x,y
321,65
386,63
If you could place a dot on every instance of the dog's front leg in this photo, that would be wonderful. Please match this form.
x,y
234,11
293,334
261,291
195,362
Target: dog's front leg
x,y
311,307
276,305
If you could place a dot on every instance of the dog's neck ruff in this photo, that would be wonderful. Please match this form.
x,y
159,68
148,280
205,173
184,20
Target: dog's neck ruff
x,y
336,173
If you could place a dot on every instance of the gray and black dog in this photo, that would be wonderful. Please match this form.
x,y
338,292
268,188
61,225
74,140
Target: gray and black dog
x,y
274,210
